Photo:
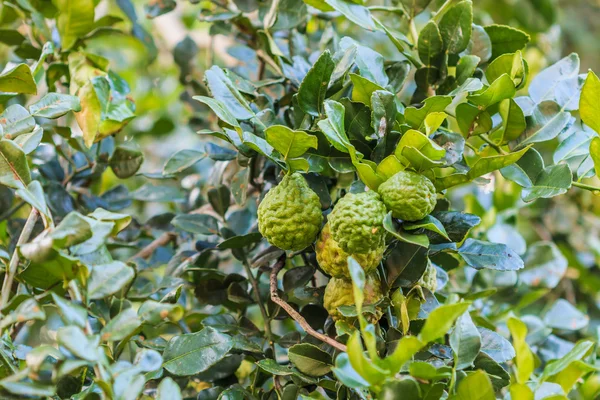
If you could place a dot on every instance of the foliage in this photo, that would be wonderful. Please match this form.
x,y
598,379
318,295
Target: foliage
x,y
121,282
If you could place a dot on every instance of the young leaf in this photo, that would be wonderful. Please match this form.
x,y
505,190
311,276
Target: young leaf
x,y
589,100
440,320
525,362
288,142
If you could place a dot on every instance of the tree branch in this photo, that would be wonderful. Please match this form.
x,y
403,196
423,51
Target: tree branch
x,y
295,314
155,244
14,261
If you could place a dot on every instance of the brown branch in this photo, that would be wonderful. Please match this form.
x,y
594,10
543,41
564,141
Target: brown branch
x,y
155,244
295,314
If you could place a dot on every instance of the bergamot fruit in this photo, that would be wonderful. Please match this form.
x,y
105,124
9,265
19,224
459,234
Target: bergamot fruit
x,y
339,292
334,260
408,195
289,216
429,278
356,222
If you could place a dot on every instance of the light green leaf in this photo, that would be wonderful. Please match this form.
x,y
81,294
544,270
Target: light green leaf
x,y
108,279
182,160
440,320
75,20
588,102
419,240
14,169
524,360
288,142
355,12
502,88
54,105
18,80
476,386
363,89
465,341
595,153
415,116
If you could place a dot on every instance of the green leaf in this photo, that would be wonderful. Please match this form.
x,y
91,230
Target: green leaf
x,y
465,341
558,83
55,105
579,351
419,240
415,6
546,265
346,374
588,102
564,316
75,20
71,313
366,368
363,89
480,254
152,312
108,279
182,160
430,44
126,161
551,181
81,346
595,153
512,64
466,68
441,320
168,390
513,120
72,230
416,116
455,27
506,39
288,142
224,91
524,361
406,348
91,112
476,386
202,224
355,12
122,326
18,80
501,89
190,354
430,223
310,359
28,310
14,169
219,108
15,121
313,88
33,194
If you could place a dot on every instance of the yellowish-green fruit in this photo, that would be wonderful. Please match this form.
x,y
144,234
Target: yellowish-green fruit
x,y
429,278
339,292
356,222
408,195
289,216
334,260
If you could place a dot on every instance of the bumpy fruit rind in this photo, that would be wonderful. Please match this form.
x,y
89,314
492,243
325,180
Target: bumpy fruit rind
x,y
356,222
338,292
408,195
289,216
334,260
429,278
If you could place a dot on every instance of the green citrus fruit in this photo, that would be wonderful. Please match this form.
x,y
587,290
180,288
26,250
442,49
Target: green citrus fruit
x,y
334,260
289,216
339,292
356,222
429,278
408,195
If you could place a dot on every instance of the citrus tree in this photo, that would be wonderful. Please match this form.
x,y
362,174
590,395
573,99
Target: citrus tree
x,y
394,200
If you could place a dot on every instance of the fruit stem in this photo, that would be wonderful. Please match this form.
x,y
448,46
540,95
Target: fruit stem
x,y
295,314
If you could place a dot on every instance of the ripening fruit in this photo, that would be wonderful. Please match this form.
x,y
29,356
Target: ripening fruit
x,y
408,195
289,216
356,222
429,278
339,292
334,260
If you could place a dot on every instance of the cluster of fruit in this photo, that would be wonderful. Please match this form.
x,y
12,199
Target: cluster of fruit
x,y
290,218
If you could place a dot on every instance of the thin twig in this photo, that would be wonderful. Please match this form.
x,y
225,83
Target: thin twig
x,y
295,314
586,187
493,145
14,261
155,244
